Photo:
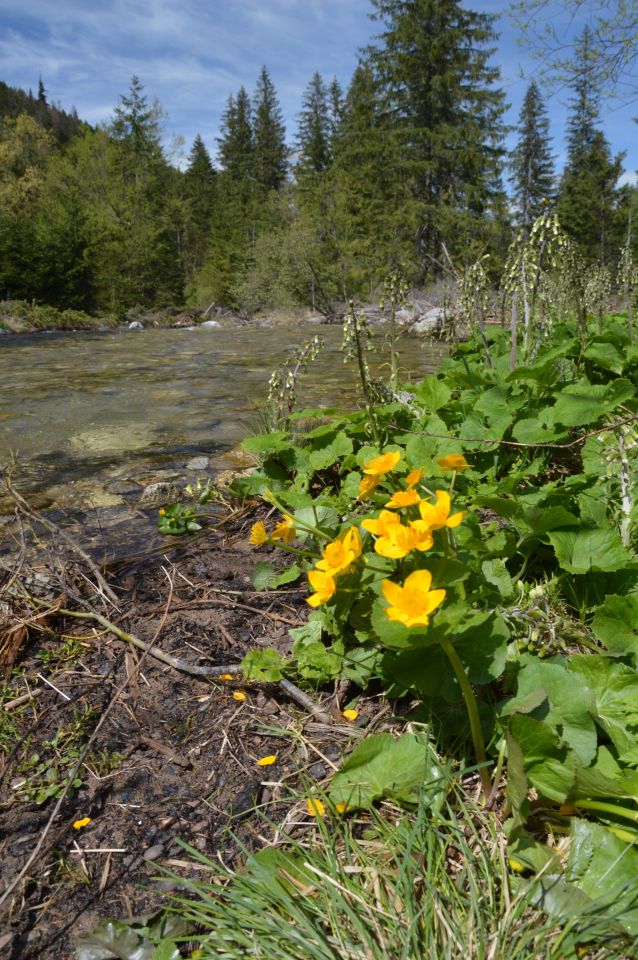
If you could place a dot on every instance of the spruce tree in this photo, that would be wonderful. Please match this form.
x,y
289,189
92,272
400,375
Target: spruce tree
x,y
236,142
440,93
588,203
269,133
585,102
531,161
199,194
314,128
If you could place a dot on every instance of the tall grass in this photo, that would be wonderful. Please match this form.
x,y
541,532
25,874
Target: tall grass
x,y
396,887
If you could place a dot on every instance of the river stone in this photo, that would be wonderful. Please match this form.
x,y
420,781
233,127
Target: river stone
x,y
156,494
210,323
197,463
430,321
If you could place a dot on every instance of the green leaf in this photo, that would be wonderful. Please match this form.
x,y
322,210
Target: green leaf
x,y
548,767
496,573
615,624
606,869
382,766
535,430
267,577
263,665
581,403
543,519
571,705
267,443
432,393
606,355
584,550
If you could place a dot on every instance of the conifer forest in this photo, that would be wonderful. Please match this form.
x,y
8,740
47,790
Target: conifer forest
x,y
405,169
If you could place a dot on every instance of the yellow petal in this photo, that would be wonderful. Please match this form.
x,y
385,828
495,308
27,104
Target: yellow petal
x,y
382,464
258,534
226,676
453,461
79,824
239,695
315,807
267,761
350,714
341,807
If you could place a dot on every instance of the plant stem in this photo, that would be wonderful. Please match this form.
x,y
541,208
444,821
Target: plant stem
x,y
472,712
625,812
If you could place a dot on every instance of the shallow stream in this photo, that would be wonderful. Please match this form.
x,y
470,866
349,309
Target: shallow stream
x,y
94,417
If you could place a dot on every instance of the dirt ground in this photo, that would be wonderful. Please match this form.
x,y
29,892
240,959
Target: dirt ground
x,y
176,755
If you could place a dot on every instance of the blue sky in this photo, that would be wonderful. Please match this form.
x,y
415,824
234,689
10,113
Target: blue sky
x,y
191,54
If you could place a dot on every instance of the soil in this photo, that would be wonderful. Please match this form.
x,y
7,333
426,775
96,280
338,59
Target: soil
x,y
175,758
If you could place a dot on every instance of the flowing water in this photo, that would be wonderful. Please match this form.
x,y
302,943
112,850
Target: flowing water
x,y
93,417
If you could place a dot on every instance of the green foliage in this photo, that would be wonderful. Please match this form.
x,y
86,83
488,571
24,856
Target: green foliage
x,y
528,620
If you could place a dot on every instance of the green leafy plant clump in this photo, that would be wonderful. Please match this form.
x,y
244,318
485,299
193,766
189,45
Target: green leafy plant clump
x,y
472,546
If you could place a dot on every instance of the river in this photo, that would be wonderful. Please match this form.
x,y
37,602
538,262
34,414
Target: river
x,y
93,417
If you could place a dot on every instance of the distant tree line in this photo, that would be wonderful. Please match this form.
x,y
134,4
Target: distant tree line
x,y
404,169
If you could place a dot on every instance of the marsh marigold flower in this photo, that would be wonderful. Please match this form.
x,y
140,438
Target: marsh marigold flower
x,y
453,461
324,586
258,534
412,603
383,464
403,498
339,555
437,515
421,532
284,530
367,485
413,478
393,539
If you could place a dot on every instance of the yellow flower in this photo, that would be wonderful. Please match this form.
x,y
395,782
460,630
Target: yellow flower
x,y
516,865
226,676
315,807
341,807
394,540
413,478
239,695
324,586
366,486
267,761
398,543
453,461
379,527
339,555
403,498
422,538
383,464
79,824
258,534
284,530
412,603
437,515
162,512
350,714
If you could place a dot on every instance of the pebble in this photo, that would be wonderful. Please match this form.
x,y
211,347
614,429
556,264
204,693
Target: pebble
x,y
154,852
197,463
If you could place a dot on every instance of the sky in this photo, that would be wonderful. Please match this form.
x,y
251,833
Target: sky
x,y
192,54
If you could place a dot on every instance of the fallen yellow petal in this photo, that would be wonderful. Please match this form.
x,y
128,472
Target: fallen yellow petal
x,y
239,695
267,761
226,676
315,807
79,824
516,865
350,714
341,808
